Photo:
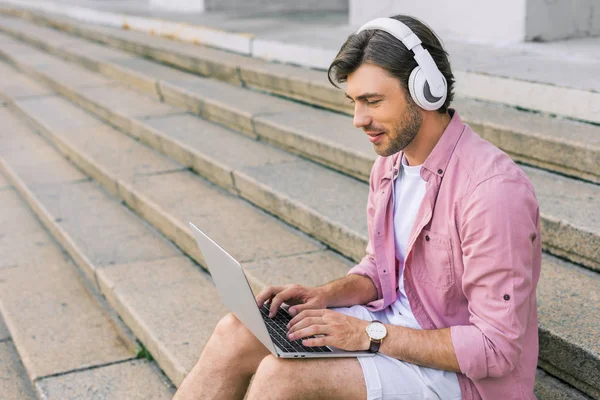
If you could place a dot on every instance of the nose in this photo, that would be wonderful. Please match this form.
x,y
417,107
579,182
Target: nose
x,y
361,117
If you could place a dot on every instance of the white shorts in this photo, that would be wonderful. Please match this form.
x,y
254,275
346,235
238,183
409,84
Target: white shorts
x,y
390,379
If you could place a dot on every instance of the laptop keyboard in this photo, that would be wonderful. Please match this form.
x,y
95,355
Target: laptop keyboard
x,y
277,328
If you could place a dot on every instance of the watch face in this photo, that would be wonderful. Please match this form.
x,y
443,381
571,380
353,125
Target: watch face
x,y
376,330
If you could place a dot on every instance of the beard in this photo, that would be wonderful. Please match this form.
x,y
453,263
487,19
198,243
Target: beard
x,y
405,130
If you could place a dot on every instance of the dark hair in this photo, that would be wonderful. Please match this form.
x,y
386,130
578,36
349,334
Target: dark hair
x,y
382,49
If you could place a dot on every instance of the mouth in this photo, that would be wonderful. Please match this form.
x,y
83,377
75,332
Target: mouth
x,y
375,136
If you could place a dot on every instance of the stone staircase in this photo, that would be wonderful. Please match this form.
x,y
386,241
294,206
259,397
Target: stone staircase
x,y
116,139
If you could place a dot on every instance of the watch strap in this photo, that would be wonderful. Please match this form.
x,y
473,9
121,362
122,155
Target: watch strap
x,y
374,347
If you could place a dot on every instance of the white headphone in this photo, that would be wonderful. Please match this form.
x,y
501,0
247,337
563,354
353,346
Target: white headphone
x,y
426,84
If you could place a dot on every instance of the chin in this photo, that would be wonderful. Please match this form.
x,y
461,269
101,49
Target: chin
x,y
383,151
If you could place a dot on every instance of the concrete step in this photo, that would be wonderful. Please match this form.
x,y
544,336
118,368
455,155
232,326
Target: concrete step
x,y
14,384
169,200
325,137
549,388
268,177
56,325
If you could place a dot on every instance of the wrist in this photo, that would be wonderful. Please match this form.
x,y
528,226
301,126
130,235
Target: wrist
x,y
325,294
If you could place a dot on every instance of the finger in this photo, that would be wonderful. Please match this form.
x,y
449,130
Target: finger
x,y
295,310
267,294
305,323
280,298
305,314
310,331
320,341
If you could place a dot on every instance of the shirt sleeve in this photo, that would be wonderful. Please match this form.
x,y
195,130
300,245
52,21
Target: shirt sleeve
x,y
500,234
367,266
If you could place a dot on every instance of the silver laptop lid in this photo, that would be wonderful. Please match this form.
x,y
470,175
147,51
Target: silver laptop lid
x,y
233,287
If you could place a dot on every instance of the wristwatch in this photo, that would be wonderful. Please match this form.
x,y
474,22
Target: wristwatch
x,y
377,332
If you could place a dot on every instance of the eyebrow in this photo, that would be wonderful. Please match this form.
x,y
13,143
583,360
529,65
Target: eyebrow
x,y
365,96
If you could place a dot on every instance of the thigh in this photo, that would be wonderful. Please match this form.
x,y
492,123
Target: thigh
x,y
306,379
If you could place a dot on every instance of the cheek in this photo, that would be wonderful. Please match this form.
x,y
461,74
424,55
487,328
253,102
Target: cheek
x,y
383,118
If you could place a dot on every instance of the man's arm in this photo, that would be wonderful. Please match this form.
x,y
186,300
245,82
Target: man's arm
x,y
501,248
350,290
429,348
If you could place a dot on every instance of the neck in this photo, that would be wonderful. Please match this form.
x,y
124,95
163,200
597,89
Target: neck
x,y
433,127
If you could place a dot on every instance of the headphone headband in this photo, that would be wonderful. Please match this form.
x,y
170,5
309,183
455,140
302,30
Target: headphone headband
x,y
412,42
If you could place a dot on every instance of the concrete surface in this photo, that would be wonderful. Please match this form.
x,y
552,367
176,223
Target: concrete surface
x,y
311,269
20,87
111,234
14,384
56,325
4,333
569,206
132,380
511,129
170,305
576,241
549,388
569,297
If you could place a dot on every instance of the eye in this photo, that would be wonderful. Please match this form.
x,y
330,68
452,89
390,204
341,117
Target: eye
x,y
370,103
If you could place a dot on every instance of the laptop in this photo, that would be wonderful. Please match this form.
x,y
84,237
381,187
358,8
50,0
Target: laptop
x,y
234,289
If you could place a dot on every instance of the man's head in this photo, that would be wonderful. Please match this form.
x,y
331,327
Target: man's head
x,y
376,67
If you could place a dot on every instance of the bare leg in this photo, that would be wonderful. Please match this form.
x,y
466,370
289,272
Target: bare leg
x,y
325,378
226,365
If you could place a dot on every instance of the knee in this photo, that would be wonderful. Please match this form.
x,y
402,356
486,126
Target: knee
x,y
272,369
233,334
228,325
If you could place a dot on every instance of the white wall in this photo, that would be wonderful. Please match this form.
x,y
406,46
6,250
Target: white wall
x,y
480,20
178,5
502,21
250,5
562,19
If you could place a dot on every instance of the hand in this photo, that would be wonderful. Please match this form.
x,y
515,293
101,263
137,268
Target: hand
x,y
300,297
339,330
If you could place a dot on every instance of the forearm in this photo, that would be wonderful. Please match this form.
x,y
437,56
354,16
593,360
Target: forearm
x,y
429,348
350,290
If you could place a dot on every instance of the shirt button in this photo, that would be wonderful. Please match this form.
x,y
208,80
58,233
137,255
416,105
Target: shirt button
x,y
506,297
427,237
440,171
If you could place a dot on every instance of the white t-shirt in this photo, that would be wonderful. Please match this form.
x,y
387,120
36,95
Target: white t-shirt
x,y
409,190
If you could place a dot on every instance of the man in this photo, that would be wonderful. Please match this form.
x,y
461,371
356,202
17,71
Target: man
x,y
452,263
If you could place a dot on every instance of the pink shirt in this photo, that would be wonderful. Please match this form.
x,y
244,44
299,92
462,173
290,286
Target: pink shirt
x,y
473,259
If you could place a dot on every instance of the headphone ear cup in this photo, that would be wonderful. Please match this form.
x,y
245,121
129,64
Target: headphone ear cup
x,y
411,86
419,91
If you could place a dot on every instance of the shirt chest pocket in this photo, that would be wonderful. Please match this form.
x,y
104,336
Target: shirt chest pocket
x,y
432,261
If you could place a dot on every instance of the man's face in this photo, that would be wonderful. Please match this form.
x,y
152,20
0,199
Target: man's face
x,y
382,110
